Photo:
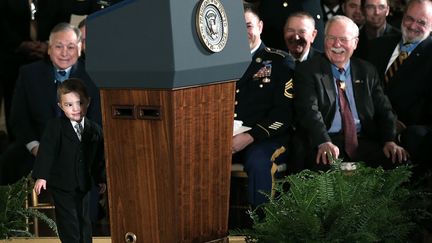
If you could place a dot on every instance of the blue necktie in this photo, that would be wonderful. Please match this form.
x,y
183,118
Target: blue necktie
x,y
60,77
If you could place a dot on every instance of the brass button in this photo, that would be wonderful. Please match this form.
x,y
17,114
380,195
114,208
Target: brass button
x,y
235,115
318,16
236,102
261,85
285,4
238,91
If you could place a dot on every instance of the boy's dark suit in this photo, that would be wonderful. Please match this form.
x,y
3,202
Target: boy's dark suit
x,y
316,98
34,103
68,164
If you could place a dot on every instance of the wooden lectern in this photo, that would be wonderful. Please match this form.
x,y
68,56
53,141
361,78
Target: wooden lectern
x,y
167,105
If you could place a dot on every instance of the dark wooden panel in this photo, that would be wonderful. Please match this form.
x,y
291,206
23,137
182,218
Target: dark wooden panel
x,y
169,177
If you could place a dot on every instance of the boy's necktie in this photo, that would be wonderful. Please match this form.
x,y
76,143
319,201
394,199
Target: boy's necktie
x,y
79,129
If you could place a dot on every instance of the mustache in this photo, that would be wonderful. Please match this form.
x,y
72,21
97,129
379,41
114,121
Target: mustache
x,y
300,41
337,50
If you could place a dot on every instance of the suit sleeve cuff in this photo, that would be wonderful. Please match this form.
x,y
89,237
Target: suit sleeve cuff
x,y
31,145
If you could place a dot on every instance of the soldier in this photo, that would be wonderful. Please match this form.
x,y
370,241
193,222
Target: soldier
x,y
263,103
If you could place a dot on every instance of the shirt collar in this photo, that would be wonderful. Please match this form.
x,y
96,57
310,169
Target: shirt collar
x,y
256,48
341,76
74,123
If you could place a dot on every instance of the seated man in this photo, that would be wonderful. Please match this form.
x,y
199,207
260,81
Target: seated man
x,y
263,102
299,34
274,15
404,63
341,108
35,99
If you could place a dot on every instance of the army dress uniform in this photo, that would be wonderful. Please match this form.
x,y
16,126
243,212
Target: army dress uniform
x,y
264,103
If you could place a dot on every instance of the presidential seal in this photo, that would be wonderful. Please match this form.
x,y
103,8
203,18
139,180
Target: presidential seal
x,y
212,25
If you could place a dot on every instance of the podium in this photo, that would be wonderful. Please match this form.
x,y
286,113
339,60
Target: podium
x,y
167,107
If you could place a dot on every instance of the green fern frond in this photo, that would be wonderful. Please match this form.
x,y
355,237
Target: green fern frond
x,y
367,205
14,214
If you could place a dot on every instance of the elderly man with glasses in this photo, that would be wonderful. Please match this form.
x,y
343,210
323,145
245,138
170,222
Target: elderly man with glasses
x,y
340,106
404,63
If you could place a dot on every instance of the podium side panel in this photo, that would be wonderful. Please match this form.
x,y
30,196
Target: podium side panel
x,y
168,177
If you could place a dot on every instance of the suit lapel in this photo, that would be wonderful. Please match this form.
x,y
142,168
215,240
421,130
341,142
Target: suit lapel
x,y
327,81
416,55
69,131
387,50
358,81
52,87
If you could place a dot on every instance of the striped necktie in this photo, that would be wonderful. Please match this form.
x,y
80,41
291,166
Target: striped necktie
x,y
79,130
391,71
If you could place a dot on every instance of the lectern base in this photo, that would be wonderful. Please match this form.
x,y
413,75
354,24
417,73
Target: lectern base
x,y
168,156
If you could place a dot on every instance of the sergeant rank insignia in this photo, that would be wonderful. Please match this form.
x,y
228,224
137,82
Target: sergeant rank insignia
x,y
212,25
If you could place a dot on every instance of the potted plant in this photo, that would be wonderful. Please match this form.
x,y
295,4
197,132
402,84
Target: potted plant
x,y
14,213
358,204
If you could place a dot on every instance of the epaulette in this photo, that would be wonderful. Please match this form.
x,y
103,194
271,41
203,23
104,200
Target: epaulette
x,y
276,51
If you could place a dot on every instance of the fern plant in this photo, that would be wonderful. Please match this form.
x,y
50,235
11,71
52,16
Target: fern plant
x,y
14,214
366,205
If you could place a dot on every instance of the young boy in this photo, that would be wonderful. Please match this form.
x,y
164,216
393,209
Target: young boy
x,y
70,153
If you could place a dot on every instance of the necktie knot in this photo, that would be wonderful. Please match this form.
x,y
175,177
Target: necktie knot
x,y
341,70
61,73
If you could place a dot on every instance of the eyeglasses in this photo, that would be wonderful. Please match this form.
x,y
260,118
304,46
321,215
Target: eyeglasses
x,y
343,40
409,20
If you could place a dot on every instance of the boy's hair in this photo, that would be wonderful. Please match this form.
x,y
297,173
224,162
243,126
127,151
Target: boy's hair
x,y
73,85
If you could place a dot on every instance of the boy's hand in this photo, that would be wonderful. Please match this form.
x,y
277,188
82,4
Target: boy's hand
x,y
102,188
35,150
39,185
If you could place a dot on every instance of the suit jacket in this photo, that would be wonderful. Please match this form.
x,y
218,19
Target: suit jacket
x,y
266,106
66,162
35,99
363,44
410,89
312,53
316,98
274,14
